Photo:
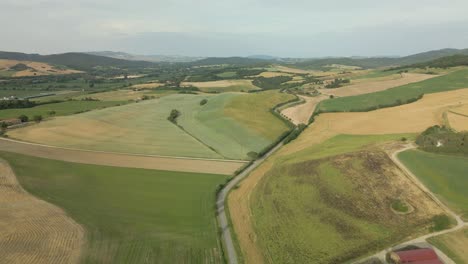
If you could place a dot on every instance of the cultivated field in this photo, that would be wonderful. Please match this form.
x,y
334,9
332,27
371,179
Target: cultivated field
x,y
122,160
130,215
300,114
453,245
219,129
150,85
444,175
32,230
61,109
121,95
372,86
223,86
34,68
328,207
398,95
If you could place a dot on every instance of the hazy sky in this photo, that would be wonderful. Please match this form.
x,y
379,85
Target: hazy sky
x,y
294,28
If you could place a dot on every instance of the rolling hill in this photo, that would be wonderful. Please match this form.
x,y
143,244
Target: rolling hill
x,y
75,60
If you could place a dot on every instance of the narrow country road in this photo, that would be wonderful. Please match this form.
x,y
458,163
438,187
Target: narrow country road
x,y
226,236
422,239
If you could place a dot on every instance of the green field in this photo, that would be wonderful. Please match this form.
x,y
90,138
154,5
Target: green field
x,y
454,245
319,205
206,131
444,175
61,109
130,215
398,95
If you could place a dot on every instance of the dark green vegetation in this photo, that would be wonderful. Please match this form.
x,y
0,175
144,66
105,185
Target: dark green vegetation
x,y
271,83
445,62
319,205
130,215
444,175
7,104
396,96
400,206
443,140
320,64
173,116
337,83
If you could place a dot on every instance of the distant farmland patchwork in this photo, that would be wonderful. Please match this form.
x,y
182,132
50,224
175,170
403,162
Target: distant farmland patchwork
x,y
221,128
130,215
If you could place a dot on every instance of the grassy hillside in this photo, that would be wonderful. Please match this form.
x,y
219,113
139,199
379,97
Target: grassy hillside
x,y
61,109
253,110
396,96
444,175
130,215
319,205
75,60
221,128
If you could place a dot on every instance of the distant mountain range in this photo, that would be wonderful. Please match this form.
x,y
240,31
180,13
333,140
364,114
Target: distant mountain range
x,y
87,61
150,58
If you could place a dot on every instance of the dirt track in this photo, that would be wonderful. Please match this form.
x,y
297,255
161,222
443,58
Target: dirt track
x,y
413,118
376,86
122,160
34,231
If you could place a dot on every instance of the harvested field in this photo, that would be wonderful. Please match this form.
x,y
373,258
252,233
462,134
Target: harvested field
x,y
130,215
223,86
457,121
119,95
122,160
36,68
397,95
150,85
32,230
453,245
300,114
300,71
372,86
303,209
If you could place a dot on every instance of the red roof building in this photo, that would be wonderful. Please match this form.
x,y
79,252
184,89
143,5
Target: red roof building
x,y
416,256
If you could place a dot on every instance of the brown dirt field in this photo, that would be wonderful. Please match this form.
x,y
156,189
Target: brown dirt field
x,y
33,231
41,68
216,84
371,86
414,117
300,114
122,160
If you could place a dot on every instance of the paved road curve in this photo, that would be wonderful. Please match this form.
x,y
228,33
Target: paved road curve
x,y
221,201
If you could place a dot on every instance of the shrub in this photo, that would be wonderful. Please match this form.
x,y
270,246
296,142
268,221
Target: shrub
x,y
51,112
37,118
440,222
203,102
252,155
23,118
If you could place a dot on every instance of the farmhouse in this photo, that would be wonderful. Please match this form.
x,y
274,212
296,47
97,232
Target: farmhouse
x,y
415,256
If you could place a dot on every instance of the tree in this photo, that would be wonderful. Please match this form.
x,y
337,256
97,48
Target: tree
x,y
203,102
51,112
173,116
23,118
37,118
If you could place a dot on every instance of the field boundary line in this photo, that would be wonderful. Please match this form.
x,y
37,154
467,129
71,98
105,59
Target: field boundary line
x,y
119,153
460,114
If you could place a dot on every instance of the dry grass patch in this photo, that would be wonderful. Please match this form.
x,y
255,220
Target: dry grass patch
x,y
32,230
300,114
150,85
223,86
36,68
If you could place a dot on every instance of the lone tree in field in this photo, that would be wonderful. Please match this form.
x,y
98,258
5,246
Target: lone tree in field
x,y
173,116
23,118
